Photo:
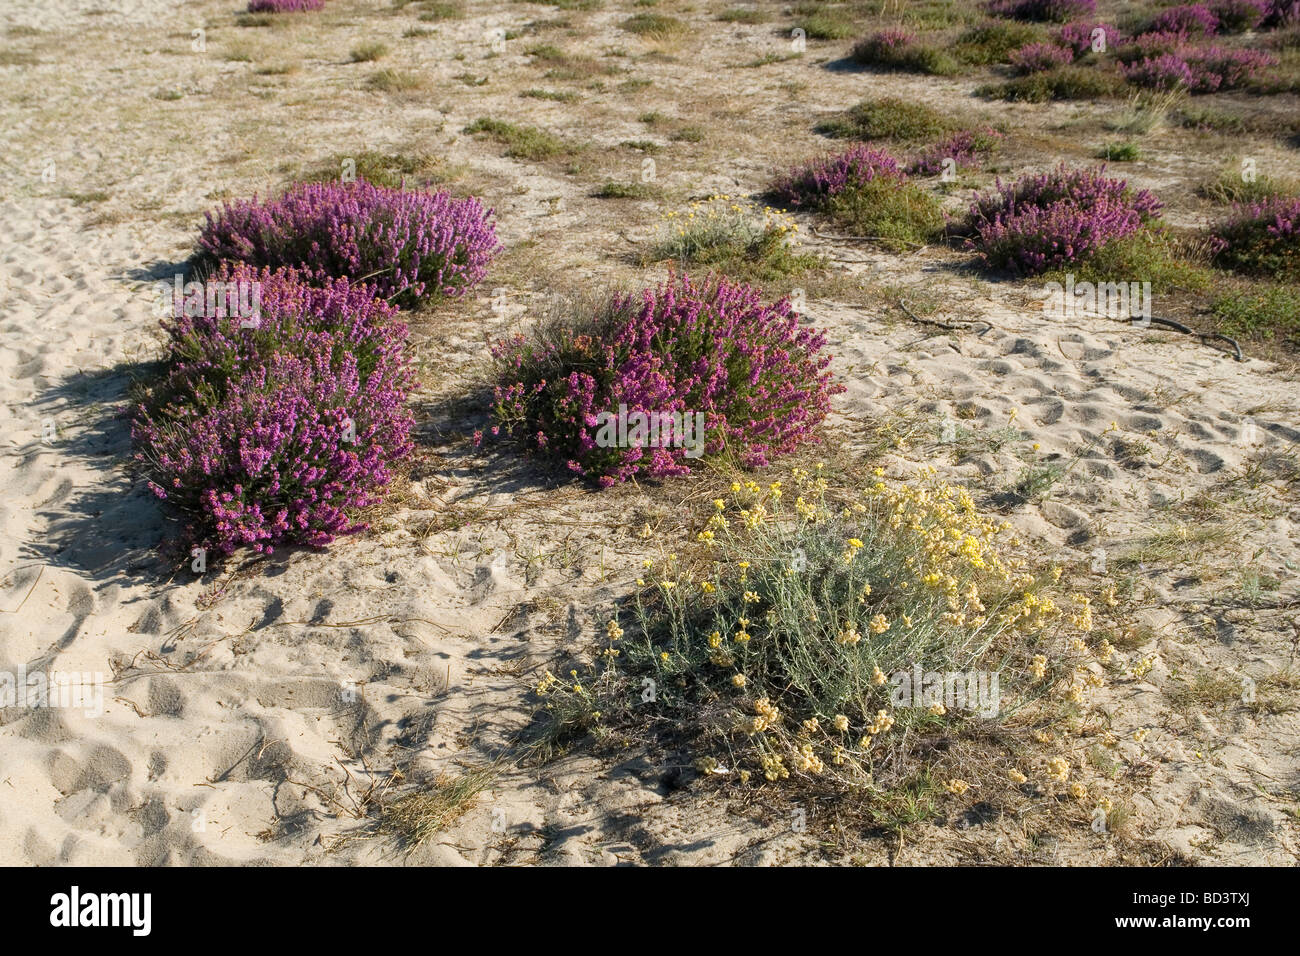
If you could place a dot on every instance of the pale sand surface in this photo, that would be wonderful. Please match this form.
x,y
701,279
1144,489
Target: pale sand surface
x,y
230,731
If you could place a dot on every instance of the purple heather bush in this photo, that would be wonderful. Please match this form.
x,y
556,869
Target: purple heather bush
x,y
1238,16
964,147
1054,11
1260,238
1283,13
1038,57
1192,19
1054,218
1206,69
811,184
756,374
283,6
280,431
1078,37
409,245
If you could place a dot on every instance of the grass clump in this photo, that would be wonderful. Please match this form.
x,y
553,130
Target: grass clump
x,y
558,96
889,118
844,641
1120,152
415,818
395,81
749,15
826,25
522,142
733,236
1234,185
613,190
390,170
434,10
368,52
654,26
992,42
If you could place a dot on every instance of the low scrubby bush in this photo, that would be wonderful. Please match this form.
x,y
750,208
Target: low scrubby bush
x,y
1054,218
1191,18
1238,16
411,246
811,184
1037,57
1052,11
276,428
753,374
899,50
1260,238
887,118
965,148
1080,37
284,6
1206,69
733,235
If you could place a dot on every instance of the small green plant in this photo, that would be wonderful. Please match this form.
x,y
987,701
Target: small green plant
x,y
1262,310
368,52
1234,184
889,118
395,81
1120,152
433,10
900,214
612,190
733,236
559,96
750,15
654,26
522,142
1063,83
993,41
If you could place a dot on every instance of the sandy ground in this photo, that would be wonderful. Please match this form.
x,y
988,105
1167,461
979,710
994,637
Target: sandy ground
x,y
254,714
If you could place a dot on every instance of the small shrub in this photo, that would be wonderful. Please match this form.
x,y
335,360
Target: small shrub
x,y
1269,312
1283,13
1151,45
826,26
787,646
394,81
284,6
1230,186
756,375
1052,11
811,184
522,142
1165,72
887,118
1079,37
1063,83
965,148
1194,19
1038,57
613,190
733,236
993,41
898,50
1238,16
368,52
1260,238
1053,218
1200,69
410,246
1120,152
278,432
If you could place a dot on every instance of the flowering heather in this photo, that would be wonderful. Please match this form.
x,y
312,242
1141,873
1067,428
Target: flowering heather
x,y
1192,18
409,245
1283,13
715,348
277,433
811,184
1053,11
284,6
1168,71
1261,238
1054,218
1238,16
964,148
1200,69
1151,45
1037,57
1078,37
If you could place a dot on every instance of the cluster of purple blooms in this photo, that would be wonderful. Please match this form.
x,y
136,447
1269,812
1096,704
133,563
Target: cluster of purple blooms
x,y
1206,69
1039,57
1078,37
757,376
1054,218
965,148
1261,238
277,430
812,184
1053,11
1192,18
284,6
410,245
